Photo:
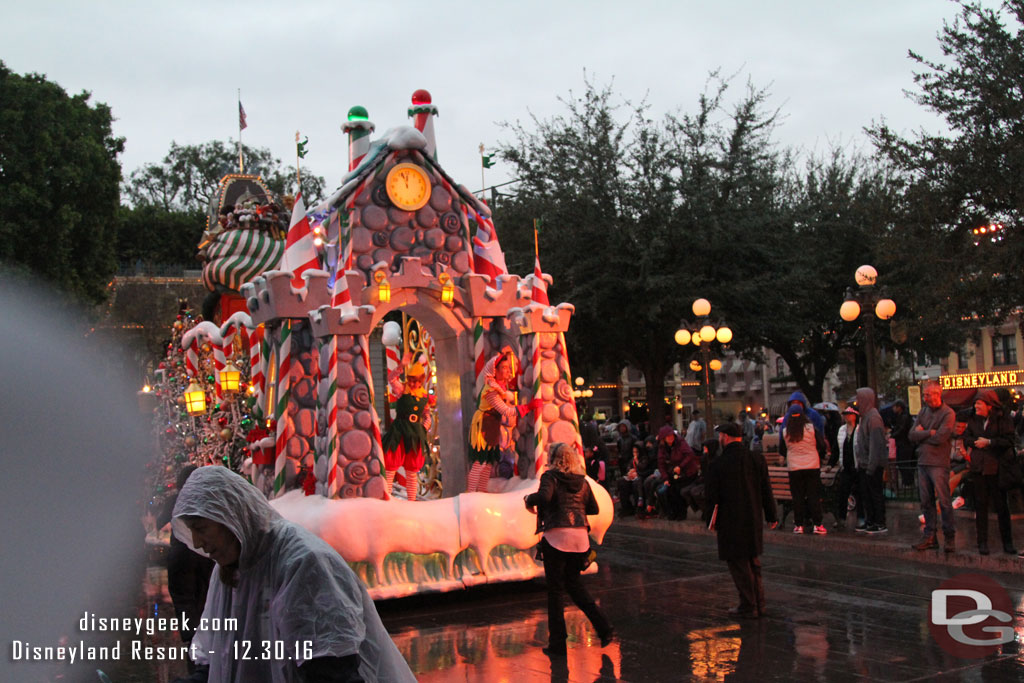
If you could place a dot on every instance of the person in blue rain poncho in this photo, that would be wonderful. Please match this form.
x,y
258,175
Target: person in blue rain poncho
x,y
285,586
816,418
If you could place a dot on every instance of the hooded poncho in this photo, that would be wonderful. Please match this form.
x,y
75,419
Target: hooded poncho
x,y
871,450
292,587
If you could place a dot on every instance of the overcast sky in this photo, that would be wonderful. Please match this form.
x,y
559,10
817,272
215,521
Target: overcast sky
x,y
172,70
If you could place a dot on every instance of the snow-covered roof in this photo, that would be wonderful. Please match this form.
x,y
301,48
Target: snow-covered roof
x,y
399,138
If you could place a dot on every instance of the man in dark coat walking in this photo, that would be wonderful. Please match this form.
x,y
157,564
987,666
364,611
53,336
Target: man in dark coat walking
x,y
739,500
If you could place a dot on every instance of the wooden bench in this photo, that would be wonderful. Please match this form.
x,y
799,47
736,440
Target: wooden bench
x,y
778,475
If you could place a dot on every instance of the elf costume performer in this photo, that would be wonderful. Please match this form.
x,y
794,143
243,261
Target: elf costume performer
x,y
405,441
490,433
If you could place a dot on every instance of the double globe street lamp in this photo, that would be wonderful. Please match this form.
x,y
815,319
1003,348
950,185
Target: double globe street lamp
x,y
860,303
703,333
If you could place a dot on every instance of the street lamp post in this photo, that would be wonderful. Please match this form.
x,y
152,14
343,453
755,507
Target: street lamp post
x,y
860,303
703,334
582,394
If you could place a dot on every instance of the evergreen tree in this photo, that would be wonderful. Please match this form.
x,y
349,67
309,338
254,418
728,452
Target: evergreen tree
x,y
189,175
968,176
59,185
640,218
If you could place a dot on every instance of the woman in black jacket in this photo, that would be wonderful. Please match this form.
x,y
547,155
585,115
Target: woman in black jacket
x,y
562,503
988,435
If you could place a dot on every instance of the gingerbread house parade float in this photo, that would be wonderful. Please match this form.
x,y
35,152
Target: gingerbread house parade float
x,y
371,366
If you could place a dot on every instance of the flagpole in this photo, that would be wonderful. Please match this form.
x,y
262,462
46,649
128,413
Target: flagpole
x,y
241,165
483,186
298,178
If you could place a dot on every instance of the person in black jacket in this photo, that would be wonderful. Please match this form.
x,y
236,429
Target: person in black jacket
x,y
988,436
693,494
562,503
188,573
899,431
739,500
595,452
631,484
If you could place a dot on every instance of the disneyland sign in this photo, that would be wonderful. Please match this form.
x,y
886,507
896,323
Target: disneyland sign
x,y
981,380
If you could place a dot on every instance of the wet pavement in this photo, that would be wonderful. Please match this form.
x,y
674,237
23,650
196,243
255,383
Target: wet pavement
x,y
840,607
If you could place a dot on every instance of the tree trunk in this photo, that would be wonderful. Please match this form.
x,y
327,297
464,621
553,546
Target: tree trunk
x,y
654,380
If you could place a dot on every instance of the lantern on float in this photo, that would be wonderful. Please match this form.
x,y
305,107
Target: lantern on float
x,y
195,399
230,378
447,288
383,287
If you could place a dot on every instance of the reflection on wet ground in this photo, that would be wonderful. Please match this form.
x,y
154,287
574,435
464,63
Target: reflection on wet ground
x,y
834,615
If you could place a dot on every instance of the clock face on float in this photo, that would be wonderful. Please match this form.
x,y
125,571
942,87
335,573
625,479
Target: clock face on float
x,y
408,186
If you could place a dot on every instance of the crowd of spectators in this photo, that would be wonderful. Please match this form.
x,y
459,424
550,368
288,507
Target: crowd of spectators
x,y
947,459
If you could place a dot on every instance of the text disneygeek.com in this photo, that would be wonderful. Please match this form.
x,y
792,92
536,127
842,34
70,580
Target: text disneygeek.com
x,y
137,649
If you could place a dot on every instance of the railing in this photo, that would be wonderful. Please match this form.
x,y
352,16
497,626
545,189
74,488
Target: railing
x,y
901,480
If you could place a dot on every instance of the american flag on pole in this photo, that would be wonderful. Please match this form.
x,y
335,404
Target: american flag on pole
x,y
242,125
488,258
300,253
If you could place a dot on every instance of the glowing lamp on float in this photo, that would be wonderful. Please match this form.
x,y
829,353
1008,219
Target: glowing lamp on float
x,y
707,333
195,399
230,378
696,366
447,288
701,307
383,287
715,365
358,113
682,337
724,335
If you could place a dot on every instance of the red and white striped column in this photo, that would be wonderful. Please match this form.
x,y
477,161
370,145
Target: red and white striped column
x,y
423,113
358,128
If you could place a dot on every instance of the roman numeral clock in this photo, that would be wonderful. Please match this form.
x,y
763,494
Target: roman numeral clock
x,y
408,186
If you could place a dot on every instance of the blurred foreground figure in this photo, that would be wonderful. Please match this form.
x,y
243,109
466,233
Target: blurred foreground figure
x,y
285,586
74,446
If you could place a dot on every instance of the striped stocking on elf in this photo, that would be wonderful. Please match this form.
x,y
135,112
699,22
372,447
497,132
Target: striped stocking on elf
x,y
496,416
